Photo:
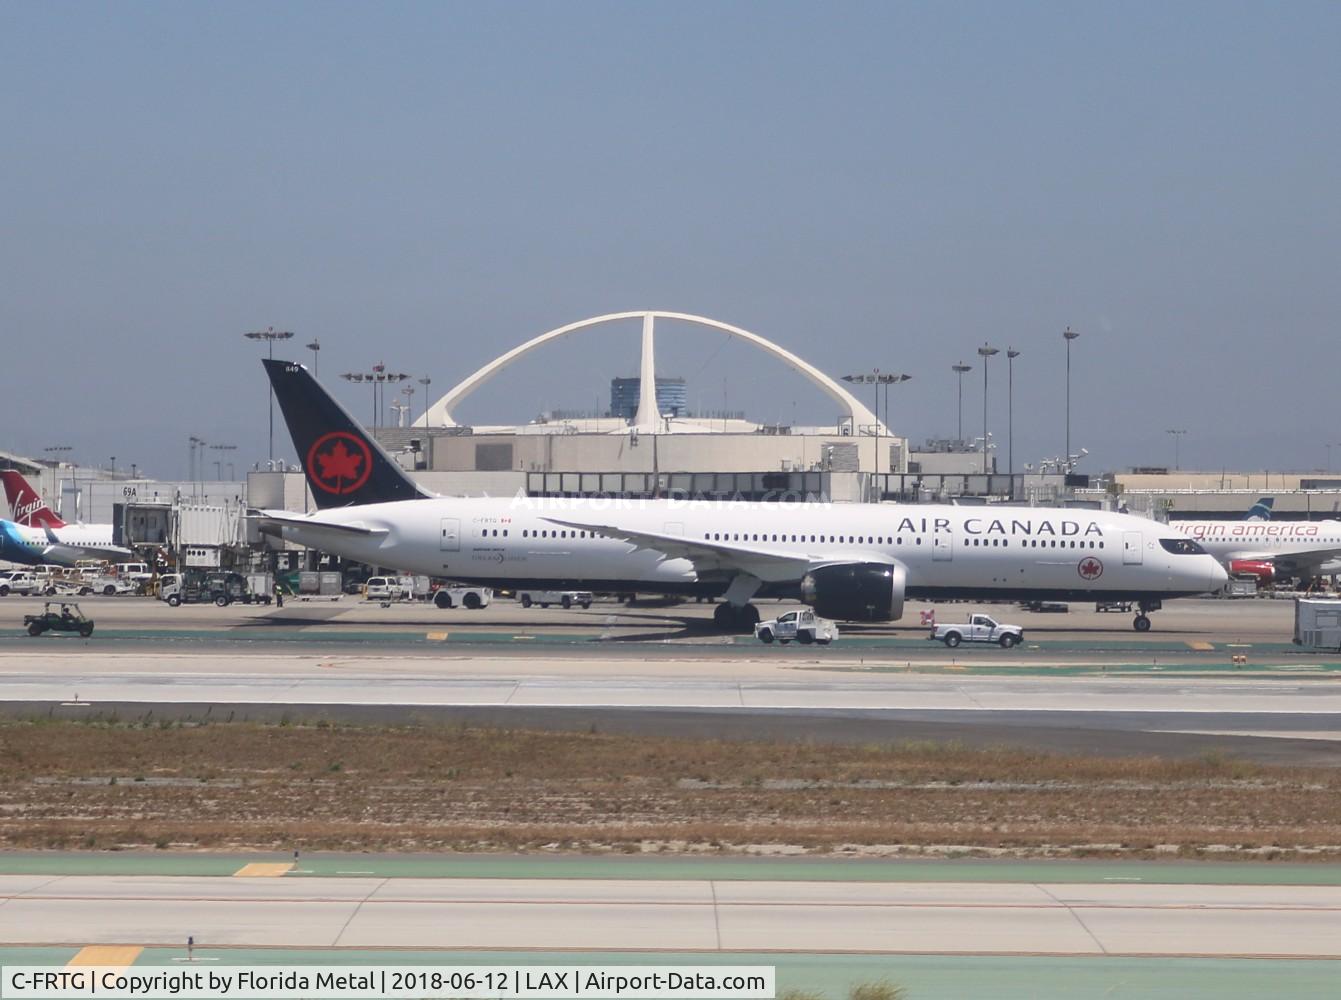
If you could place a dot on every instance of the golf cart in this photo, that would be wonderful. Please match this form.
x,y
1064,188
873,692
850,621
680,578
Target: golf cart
x,y
68,619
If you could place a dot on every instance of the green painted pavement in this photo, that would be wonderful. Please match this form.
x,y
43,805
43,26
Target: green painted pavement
x,y
675,868
924,977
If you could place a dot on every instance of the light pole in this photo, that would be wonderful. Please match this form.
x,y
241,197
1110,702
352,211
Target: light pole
x,y
1069,335
985,352
1011,355
879,378
270,335
315,348
60,449
379,376
425,382
1175,434
959,368
408,392
220,462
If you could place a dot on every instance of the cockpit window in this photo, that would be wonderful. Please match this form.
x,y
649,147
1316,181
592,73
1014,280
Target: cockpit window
x,y
1182,547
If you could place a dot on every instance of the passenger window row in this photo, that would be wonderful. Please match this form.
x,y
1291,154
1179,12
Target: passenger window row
x,y
726,536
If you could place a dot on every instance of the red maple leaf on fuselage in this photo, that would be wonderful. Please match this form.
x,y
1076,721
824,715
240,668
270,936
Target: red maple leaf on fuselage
x,y
339,463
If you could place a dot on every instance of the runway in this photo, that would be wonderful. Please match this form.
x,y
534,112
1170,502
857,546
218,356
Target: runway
x,y
1271,718
701,916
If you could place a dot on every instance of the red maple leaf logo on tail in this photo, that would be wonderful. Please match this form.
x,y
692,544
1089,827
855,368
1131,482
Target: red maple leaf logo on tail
x,y
336,467
339,463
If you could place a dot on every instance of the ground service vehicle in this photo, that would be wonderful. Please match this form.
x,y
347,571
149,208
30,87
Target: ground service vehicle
x,y
19,582
389,588
980,628
108,586
196,586
134,572
1317,623
59,616
803,625
565,598
472,598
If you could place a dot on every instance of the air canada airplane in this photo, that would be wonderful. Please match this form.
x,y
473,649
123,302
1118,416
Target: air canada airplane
x,y
37,535
849,561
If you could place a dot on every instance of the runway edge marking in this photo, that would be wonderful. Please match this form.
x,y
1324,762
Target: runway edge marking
x,y
259,869
115,956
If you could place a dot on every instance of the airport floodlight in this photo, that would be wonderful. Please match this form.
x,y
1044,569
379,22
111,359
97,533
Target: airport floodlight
x,y
378,377
1069,335
221,461
1175,433
878,378
315,348
192,443
985,352
425,381
959,368
1011,355
270,335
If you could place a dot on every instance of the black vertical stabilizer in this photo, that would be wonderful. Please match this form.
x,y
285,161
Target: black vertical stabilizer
x,y
343,464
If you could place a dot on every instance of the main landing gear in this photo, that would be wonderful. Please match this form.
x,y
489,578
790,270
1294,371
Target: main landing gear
x,y
1142,620
730,618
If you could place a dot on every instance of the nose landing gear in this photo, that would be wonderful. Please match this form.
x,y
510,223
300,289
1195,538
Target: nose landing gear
x,y
1142,620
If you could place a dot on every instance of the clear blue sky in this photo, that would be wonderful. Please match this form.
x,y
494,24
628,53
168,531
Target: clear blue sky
x,y
872,185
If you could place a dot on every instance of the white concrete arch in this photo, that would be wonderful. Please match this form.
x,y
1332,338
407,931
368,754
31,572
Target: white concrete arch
x,y
440,413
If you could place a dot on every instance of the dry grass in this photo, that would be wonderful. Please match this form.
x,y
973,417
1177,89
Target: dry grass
x,y
372,788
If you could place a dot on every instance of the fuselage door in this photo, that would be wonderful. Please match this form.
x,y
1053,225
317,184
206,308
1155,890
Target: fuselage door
x,y
451,535
1131,548
942,546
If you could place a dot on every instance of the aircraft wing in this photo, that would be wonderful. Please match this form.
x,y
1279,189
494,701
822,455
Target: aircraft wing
x,y
767,564
55,548
1301,562
271,521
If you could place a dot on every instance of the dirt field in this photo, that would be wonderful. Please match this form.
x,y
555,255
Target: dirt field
x,y
110,786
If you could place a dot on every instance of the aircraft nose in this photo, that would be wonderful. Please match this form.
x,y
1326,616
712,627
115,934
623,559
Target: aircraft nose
x,y
1218,575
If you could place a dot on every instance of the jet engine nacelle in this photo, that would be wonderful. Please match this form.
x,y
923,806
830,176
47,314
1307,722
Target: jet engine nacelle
x,y
856,592
1264,570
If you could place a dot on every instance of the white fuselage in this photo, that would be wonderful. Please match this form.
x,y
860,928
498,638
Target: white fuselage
x,y
947,550
64,546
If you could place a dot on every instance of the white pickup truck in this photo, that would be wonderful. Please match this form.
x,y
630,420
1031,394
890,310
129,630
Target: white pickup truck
x,y
19,581
563,598
980,628
804,626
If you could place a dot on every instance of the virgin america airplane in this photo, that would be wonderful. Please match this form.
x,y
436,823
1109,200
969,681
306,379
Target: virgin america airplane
x,y
37,535
856,562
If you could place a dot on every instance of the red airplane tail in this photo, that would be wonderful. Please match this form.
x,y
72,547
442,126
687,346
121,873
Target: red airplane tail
x,y
29,508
